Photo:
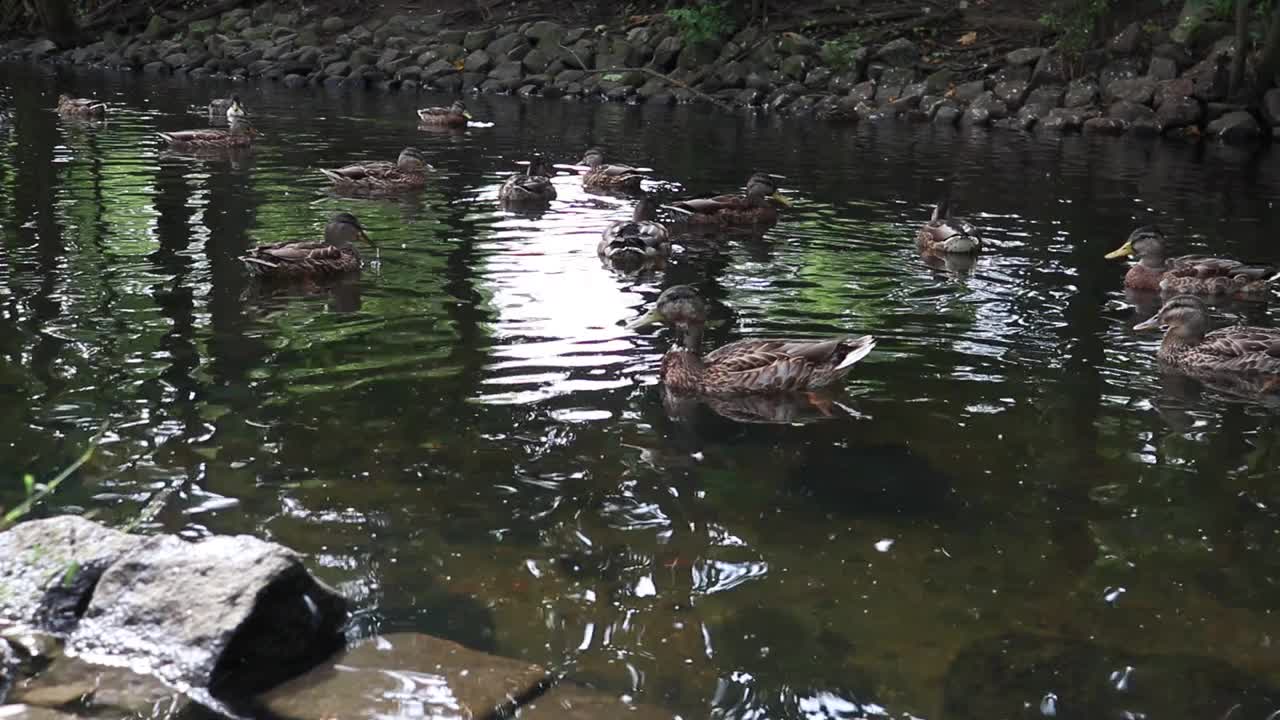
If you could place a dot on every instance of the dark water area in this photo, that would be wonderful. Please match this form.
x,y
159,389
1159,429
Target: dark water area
x,y
1012,514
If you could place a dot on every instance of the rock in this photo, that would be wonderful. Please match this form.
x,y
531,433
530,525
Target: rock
x,y
49,566
536,61
341,68
333,24
947,114
202,28
478,62
511,47
1127,69
295,81
1080,93
1210,78
749,97
652,87
1271,106
1050,70
1162,69
1105,126
1028,56
451,83
1010,675
795,67
33,712
1129,41
477,40
8,669
1012,73
864,91
1179,112
232,613
796,44
155,28
1013,93
939,82
1140,90
1235,127
818,78
1177,52
363,682
1174,89
508,74
110,690
545,34
994,106
1066,119
176,60
970,91
667,53
1047,97
899,53
1131,113
695,56
569,701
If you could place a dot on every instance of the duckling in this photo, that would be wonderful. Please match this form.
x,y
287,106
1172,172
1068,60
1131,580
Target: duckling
x,y
239,134
604,176
1246,357
1190,274
637,241
747,366
408,172
82,107
453,116
334,255
947,234
532,187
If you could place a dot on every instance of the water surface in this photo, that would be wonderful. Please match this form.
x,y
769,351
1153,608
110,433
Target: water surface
x,y
1011,507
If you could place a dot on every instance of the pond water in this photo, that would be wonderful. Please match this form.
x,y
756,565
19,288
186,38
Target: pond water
x,y
1010,512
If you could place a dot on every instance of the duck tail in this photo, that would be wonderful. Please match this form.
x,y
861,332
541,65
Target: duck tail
x,y
257,265
333,176
1273,279
861,348
167,138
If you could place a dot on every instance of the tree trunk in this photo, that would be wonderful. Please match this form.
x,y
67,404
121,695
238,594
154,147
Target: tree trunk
x,y
1242,47
58,19
1270,51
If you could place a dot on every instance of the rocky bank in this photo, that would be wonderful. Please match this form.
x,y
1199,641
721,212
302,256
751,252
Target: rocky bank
x,y
1141,82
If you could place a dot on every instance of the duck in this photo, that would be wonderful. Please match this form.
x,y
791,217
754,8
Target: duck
x,y
239,134
335,255
755,207
230,108
637,241
532,187
408,172
1189,274
946,234
83,107
1242,357
605,176
453,116
746,366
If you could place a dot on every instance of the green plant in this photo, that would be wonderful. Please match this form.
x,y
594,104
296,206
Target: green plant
x,y
704,23
842,53
36,492
1076,23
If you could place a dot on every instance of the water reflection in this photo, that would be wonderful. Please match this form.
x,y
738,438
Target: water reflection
x,y
468,441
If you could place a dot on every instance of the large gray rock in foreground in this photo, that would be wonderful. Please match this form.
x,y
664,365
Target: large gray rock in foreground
x,y
48,568
385,675
227,613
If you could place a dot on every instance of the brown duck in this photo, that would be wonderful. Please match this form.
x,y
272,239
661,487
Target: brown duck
x,y
81,107
638,241
946,234
532,187
335,255
408,172
747,366
239,134
755,207
1247,358
603,176
1191,274
455,115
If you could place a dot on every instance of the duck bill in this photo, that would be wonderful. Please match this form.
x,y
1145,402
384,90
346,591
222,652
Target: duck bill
x,y
466,114
650,318
1123,251
780,199
1149,324
365,237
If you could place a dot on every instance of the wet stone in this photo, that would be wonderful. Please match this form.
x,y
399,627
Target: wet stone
x,y
108,690
379,677
1235,127
1080,93
1025,56
569,701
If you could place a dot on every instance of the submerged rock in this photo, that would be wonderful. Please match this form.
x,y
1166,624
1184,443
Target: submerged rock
x,y
8,669
225,613
1235,127
110,691
377,678
568,701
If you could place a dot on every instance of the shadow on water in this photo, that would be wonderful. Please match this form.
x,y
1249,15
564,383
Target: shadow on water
x,y
466,439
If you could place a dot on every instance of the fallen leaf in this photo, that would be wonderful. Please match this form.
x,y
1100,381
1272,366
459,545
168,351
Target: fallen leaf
x,y
969,38
458,64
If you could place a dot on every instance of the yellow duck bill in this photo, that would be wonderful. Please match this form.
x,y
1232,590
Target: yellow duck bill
x,y
1123,251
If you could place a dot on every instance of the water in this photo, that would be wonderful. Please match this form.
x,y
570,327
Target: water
x,y
468,442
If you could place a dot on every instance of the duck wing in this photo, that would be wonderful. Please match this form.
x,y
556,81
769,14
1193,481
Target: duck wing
x,y
1200,266
712,205
196,136
294,252
379,170
770,365
528,187
1244,349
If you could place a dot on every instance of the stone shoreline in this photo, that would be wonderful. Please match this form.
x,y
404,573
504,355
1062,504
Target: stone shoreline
x,y
1139,83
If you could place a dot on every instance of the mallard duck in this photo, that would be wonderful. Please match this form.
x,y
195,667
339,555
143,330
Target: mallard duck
x,y
604,176
230,108
636,241
1192,274
84,107
746,366
408,172
454,115
1247,357
755,207
239,134
947,234
531,187
334,255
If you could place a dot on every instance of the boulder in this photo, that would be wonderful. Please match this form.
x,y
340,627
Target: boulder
x,y
818,78
947,113
795,67
511,47
1067,119
1051,69
863,91
232,613
112,691
899,53
1080,93
333,24
8,669
1271,106
1125,69
1140,90
48,568
1179,112
478,62
1235,127
1047,97
996,108
508,74
1210,78
796,44
1131,113
939,82
1105,126
696,55
545,34
667,53
477,40
1027,57
1162,68
536,60
970,91
1012,92
1129,41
